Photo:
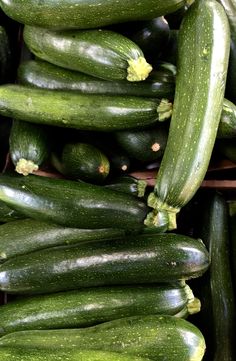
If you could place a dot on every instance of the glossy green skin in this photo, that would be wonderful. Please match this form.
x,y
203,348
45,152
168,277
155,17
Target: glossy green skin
x,y
90,306
28,235
128,184
28,141
82,111
21,354
85,14
227,126
200,85
147,336
8,214
100,53
71,203
128,260
41,74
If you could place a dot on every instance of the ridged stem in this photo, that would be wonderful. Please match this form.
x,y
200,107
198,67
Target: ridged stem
x,y
138,69
164,110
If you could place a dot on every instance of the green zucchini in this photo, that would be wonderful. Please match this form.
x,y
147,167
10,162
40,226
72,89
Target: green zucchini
x,y
85,14
227,125
199,95
41,74
83,308
145,336
128,184
141,258
23,236
8,214
101,53
82,111
5,56
83,161
22,354
71,203
28,146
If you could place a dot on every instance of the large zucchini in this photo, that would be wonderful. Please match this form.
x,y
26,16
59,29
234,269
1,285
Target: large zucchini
x,y
144,258
82,111
199,95
85,13
152,336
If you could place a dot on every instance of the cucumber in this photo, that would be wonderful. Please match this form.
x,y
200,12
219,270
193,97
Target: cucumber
x,y
134,259
85,13
22,354
83,308
199,95
71,203
145,336
41,74
28,146
128,184
227,126
83,161
101,53
28,235
82,111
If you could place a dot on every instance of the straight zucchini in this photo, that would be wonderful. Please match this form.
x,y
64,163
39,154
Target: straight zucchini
x,y
199,95
71,203
8,214
85,13
145,336
82,111
133,259
101,53
87,307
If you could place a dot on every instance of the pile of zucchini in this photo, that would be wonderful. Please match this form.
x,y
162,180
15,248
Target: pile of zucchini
x,y
92,261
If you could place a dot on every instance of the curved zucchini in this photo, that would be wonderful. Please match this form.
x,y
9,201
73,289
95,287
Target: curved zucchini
x,y
28,146
87,307
101,53
23,236
71,203
148,336
82,111
199,95
41,74
227,125
133,259
85,14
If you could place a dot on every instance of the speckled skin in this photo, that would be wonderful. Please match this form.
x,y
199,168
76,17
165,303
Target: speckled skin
x,y
156,337
85,14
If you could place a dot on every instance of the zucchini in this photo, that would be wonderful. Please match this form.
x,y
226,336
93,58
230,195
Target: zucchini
x,y
5,56
41,74
128,184
146,336
82,111
199,95
85,14
101,53
134,259
83,308
28,146
71,203
8,214
22,354
82,161
28,235
227,126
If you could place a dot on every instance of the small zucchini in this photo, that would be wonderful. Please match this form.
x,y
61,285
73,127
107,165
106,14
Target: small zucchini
x,y
141,258
101,53
199,95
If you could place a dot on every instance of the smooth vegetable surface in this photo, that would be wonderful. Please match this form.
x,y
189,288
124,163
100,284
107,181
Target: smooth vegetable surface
x,y
227,126
200,86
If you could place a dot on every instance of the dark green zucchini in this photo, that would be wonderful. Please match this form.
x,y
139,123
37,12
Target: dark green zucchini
x,y
28,235
128,184
142,258
144,145
227,125
5,56
8,214
101,53
28,146
82,111
85,14
71,203
199,95
156,337
83,308
22,354
83,161
41,74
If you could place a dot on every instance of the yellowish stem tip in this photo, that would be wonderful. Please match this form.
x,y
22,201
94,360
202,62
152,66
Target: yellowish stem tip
x,y
25,166
138,69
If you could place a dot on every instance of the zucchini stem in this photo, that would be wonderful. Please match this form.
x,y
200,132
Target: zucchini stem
x,y
138,69
164,110
26,167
